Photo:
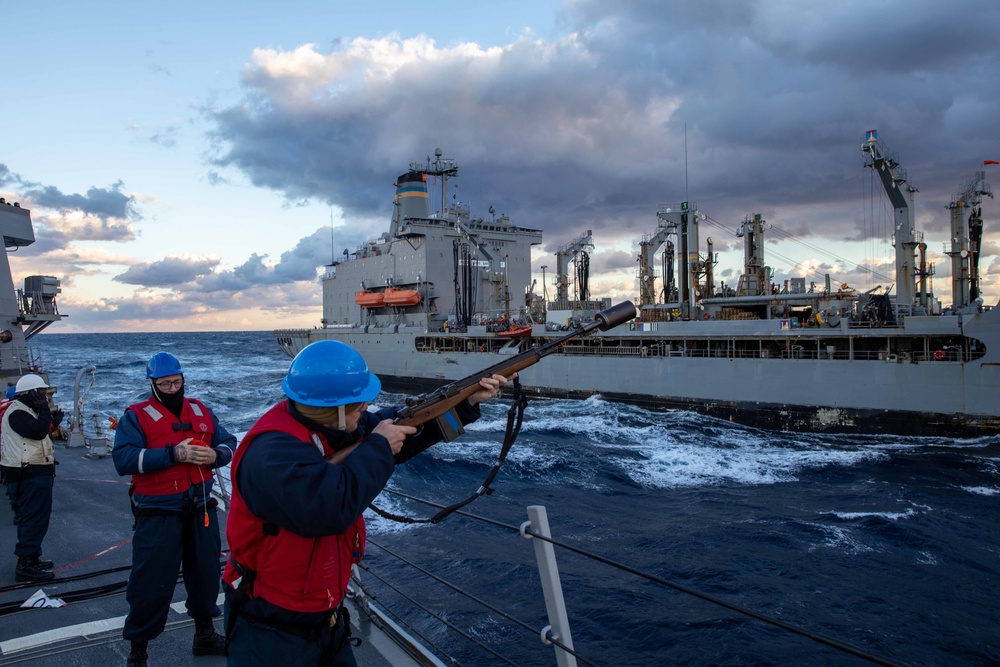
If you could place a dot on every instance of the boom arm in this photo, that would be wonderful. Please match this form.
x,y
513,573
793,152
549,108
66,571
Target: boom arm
x,y
900,192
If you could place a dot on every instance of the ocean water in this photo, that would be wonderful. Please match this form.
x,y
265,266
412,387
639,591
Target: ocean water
x,y
888,544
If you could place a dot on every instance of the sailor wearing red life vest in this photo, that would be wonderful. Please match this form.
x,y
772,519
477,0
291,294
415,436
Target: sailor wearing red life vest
x,y
302,477
170,444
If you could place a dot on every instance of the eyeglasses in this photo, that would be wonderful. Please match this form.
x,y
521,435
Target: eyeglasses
x,y
169,384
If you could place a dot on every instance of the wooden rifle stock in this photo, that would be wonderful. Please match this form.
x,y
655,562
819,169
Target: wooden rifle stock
x,y
426,407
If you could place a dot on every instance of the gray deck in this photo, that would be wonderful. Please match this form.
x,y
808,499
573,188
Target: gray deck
x,y
91,530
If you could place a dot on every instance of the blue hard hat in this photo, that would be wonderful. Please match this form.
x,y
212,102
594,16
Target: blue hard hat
x,y
328,373
11,390
163,364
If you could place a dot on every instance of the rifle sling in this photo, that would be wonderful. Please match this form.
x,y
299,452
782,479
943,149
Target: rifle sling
x,y
515,417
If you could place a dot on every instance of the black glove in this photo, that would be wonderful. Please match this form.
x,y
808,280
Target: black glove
x,y
57,417
37,401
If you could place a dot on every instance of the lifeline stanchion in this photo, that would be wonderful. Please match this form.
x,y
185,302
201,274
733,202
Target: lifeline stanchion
x,y
548,570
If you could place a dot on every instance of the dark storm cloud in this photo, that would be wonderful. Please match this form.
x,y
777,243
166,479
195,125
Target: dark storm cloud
x,y
301,263
108,213
169,272
589,131
103,203
203,276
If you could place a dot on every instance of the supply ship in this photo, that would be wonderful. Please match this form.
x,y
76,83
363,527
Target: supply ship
x,y
439,296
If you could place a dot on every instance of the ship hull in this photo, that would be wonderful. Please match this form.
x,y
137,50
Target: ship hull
x,y
915,396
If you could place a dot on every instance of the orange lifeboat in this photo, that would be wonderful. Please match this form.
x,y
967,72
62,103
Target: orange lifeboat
x,y
402,297
516,332
370,299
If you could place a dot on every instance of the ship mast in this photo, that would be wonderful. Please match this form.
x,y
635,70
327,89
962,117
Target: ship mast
x,y
445,168
965,247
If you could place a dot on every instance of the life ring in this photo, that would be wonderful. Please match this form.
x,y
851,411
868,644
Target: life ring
x,y
706,316
938,355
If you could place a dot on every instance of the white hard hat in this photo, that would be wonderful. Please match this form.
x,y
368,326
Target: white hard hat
x,y
29,382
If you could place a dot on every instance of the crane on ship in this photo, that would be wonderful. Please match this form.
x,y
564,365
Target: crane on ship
x,y
647,251
900,191
576,251
966,242
756,278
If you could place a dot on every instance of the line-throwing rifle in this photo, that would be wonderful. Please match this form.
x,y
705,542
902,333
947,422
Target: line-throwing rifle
x,y
440,404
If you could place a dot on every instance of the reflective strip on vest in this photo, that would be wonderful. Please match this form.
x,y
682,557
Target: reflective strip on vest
x,y
155,414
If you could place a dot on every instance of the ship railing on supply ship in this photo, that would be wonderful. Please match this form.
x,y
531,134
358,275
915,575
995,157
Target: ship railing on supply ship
x,y
807,348
423,612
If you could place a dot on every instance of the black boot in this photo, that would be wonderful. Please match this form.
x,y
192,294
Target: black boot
x,y
44,564
206,640
137,656
28,569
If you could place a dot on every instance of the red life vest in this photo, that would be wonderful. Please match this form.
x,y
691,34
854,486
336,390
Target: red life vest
x,y
303,574
157,424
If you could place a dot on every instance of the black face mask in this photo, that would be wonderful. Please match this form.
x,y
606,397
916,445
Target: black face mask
x,y
173,402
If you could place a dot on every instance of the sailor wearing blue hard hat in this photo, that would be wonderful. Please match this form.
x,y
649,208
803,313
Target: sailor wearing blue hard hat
x,y
170,444
302,477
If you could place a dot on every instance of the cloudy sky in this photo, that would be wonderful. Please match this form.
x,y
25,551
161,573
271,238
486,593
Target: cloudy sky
x,y
192,166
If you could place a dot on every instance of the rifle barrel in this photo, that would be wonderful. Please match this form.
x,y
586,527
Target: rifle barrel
x,y
443,399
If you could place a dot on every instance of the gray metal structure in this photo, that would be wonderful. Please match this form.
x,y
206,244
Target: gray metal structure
x,y
23,312
792,356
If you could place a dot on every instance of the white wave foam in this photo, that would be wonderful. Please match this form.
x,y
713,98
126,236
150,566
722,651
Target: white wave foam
x,y
841,538
982,490
653,449
892,516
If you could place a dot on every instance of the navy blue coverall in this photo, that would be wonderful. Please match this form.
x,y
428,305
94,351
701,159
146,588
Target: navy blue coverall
x,y
169,533
286,482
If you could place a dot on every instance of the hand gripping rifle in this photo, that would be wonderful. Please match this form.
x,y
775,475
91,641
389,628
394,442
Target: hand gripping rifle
x,y
440,404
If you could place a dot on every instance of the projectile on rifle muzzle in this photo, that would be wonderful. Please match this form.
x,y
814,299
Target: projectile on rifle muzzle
x,y
615,315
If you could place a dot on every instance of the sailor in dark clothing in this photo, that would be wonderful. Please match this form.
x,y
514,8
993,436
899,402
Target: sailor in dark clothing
x,y
170,445
302,477
27,465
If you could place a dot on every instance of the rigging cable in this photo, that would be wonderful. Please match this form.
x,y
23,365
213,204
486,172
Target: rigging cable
x,y
808,634
79,595
475,599
426,610
515,416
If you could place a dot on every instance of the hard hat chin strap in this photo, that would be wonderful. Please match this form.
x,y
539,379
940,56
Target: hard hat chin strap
x,y
342,415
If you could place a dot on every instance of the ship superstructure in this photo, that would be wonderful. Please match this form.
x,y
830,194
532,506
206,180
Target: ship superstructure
x,y
26,311
446,271
436,297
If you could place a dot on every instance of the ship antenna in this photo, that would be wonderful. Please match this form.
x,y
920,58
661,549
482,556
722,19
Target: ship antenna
x,y
687,197
333,251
